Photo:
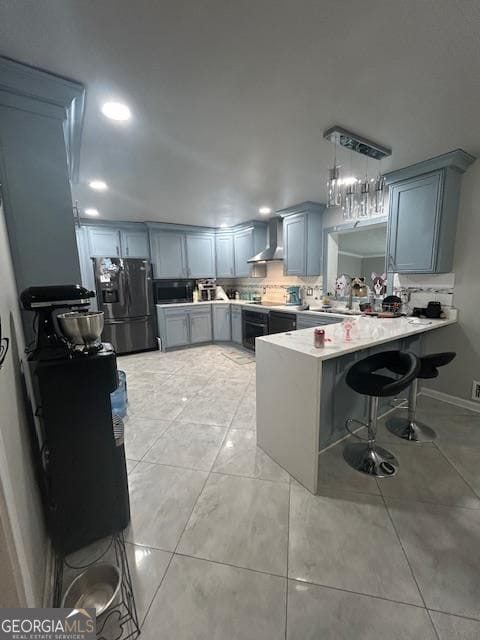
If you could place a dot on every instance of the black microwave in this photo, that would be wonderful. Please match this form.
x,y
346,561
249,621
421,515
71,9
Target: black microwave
x,y
173,291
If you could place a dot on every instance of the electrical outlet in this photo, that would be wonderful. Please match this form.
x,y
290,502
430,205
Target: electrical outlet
x,y
476,390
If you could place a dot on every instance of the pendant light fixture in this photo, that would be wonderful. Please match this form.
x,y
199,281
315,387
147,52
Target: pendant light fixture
x,y
334,194
379,189
364,195
358,198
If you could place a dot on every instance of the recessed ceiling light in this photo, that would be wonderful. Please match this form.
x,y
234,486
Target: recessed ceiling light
x,y
98,185
224,225
91,212
264,210
116,111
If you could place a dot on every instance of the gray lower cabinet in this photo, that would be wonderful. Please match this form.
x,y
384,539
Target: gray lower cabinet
x,y
237,333
200,326
339,402
222,330
181,326
176,333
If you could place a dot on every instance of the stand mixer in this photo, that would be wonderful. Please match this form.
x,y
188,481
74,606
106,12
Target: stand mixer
x,y
293,296
58,335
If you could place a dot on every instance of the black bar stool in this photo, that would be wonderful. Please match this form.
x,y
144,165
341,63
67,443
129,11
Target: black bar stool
x,y
363,378
408,428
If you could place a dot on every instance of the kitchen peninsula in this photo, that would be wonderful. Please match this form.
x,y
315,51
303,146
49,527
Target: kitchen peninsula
x,y
302,398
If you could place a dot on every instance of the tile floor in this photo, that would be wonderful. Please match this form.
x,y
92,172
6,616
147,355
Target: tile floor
x,y
224,545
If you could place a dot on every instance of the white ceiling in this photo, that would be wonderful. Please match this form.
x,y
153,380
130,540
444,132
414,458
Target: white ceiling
x,y
230,98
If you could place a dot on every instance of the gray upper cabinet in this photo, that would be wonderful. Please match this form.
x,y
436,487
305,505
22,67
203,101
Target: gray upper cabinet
x,y
104,241
200,255
295,245
247,242
224,255
302,239
114,241
243,251
168,254
415,209
423,207
134,244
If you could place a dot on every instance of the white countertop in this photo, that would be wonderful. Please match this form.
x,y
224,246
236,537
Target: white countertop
x,y
246,303
367,332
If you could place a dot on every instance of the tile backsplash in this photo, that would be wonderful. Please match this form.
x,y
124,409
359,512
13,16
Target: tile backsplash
x,y
273,286
421,287
426,287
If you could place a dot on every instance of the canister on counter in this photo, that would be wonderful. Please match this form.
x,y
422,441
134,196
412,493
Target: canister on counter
x,y
319,338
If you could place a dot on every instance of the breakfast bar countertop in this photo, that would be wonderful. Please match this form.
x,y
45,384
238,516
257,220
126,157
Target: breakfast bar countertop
x,y
302,396
366,332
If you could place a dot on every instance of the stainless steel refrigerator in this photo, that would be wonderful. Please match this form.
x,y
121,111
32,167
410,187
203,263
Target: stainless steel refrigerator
x,y
124,294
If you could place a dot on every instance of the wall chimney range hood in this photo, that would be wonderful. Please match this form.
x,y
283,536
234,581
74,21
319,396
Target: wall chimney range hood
x,y
274,248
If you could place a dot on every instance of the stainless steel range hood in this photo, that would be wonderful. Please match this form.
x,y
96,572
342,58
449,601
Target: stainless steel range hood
x,y
274,248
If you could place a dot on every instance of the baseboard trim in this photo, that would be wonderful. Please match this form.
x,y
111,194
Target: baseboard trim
x,y
455,400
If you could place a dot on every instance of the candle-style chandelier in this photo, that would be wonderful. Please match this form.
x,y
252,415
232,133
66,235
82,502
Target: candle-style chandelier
x,y
359,197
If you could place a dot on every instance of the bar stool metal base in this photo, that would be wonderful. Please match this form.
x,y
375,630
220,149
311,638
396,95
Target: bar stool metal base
x,y
373,461
410,430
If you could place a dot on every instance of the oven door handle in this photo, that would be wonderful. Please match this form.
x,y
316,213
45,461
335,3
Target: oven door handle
x,y
256,324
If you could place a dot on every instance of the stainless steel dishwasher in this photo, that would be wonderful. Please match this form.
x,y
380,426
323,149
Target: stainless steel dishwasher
x,y
281,321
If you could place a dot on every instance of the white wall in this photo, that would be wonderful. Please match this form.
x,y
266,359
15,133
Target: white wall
x,y
464,337
370,265
23,516
351,265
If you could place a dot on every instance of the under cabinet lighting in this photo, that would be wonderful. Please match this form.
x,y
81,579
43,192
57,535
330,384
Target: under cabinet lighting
x,y
91,212
116,111
98,185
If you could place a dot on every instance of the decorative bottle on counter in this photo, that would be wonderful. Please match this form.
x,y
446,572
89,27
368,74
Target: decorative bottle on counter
x,y
347,327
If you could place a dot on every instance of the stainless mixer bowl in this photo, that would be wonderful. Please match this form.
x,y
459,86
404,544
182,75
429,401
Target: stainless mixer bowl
x,y
82,327
98,586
